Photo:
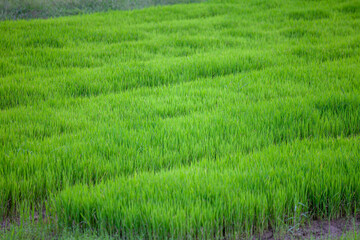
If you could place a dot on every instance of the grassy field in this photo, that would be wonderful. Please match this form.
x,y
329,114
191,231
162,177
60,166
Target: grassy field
x,y
210,120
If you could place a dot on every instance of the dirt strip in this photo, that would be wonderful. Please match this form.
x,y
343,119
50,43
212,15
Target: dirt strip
x,y
318,229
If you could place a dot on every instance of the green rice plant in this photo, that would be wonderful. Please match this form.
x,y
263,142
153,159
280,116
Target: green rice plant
x,y
239,194
215,120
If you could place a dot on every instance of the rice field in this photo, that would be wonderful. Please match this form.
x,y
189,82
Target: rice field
x,y
214,120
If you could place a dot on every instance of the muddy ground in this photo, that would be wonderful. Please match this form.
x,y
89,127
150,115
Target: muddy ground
x,y
317,229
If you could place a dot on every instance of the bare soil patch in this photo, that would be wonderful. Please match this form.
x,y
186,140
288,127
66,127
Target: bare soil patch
x,y
319,229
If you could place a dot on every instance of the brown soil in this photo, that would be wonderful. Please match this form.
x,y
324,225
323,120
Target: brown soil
x,y
318,229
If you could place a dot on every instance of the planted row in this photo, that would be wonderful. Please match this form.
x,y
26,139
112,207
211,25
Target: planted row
x,y
232,197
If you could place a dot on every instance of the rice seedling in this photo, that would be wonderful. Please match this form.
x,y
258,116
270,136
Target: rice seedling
x,y
221,119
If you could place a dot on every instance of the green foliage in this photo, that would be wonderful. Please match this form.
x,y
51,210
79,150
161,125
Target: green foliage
x,y
234,195
219,119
